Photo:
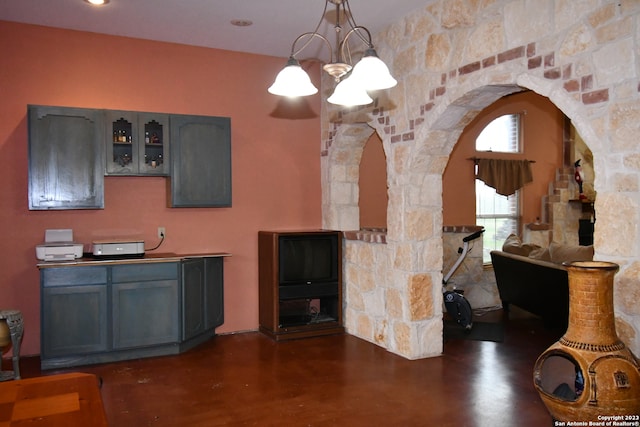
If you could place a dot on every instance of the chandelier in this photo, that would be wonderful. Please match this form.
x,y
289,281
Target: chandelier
x,y
368,74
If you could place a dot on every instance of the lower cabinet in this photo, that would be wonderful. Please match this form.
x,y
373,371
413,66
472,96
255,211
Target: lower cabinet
x,y
76,318
205,302
99,314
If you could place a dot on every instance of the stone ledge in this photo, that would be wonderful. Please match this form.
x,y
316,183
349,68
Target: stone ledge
x,y
370,235
461,228
538,227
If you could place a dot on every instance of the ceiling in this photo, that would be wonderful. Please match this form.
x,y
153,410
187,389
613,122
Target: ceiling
x,y
207,23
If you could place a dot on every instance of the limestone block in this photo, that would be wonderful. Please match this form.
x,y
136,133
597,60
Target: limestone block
x,y
567,11
366,280
354,299
612,62
601,16
627,334
437,51
420,297
627,290
430,255
402,256
624,123
364,327
400,158
405,61
401,338
578,40
380,336
609,236
421,25
374,303
615,30
485,40
527,20
394,304
457,13
632,161
420,224
623,182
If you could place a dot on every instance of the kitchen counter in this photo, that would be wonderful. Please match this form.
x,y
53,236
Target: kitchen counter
x,y
89,260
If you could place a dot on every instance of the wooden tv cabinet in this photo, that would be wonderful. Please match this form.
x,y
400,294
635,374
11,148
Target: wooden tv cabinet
x,y
289,311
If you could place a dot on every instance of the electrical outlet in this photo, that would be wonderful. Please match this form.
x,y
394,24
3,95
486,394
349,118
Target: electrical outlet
x,y
161,232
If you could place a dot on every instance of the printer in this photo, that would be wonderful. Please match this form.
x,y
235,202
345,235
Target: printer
x,y
59,246
118,248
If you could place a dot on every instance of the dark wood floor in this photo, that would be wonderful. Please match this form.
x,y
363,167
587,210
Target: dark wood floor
x,y
249,380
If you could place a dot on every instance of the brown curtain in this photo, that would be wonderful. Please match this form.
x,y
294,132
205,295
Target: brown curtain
x,y
506,176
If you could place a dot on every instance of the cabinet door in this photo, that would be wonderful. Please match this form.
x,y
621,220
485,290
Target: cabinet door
x,y
202,295
121,137
74,320
65,158
201,161
214,292
145,313
193,293
153,146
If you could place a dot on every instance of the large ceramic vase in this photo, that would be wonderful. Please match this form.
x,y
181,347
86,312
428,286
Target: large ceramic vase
x,y
589,373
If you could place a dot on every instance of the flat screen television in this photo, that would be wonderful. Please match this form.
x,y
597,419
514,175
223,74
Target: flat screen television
x,y
308,259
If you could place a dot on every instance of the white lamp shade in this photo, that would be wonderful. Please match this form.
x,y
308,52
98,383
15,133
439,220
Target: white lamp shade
x,y
372,73
350,93
292,81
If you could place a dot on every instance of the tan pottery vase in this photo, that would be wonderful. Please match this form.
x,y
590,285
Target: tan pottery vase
x,y
589,374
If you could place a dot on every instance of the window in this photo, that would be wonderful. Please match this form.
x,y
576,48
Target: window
x,y
499,215
501,135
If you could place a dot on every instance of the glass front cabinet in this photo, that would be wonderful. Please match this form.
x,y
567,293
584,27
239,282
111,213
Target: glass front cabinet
x,y
137,143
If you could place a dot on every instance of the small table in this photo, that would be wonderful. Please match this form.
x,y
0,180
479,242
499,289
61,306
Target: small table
x,y
66,400
16,328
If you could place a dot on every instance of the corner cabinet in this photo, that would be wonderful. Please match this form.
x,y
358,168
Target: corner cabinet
x,y
300,283
201,161
102,313
66,166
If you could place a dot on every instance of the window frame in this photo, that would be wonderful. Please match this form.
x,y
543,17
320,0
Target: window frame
x,y
489,239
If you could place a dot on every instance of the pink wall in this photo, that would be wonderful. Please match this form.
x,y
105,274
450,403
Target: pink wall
x,y
542,135
373,185
276,162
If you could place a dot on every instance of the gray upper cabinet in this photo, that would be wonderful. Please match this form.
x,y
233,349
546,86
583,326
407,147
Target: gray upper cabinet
x,y
72,149
136,143
65,158
201,161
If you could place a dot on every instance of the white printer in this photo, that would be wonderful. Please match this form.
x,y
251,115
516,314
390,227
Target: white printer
x,y
59,246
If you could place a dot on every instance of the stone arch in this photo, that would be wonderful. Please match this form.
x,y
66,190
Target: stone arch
x,y
393,293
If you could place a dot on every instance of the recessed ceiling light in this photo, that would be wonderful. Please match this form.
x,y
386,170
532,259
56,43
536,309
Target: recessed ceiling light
x,y
241,22
97,2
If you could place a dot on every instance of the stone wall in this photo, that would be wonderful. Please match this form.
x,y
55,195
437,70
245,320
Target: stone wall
x,y
452,59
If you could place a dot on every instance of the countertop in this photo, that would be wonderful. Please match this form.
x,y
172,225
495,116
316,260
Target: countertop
x,y
147,258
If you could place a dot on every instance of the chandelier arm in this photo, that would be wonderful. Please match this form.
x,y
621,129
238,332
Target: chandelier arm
x,y
354,26
311,35
344,45
350,19
358,31
315,31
